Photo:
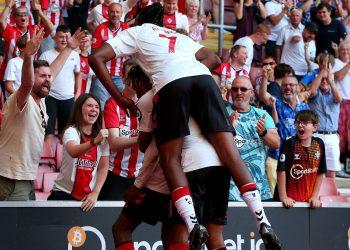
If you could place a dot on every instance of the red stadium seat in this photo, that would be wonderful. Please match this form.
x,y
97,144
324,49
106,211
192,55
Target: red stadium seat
x,y
334,198
328,187
38,182
47,156
48,181
41,196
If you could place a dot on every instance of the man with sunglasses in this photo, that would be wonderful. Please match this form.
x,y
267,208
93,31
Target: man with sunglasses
x,y
255,130
22,27
24,121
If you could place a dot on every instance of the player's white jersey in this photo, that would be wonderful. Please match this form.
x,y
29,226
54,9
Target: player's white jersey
x,y
163,54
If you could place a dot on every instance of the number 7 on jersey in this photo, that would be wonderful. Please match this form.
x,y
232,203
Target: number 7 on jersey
x,y
172,41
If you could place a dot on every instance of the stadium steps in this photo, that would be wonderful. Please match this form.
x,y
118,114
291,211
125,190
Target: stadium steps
x,y
212,40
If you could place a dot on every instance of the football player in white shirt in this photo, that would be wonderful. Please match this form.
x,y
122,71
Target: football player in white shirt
x,y
148,199
179,70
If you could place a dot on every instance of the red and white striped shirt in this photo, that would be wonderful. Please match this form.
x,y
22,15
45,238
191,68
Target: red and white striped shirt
x,y
86,74
54,11
102,34
11,18
10,35
126,162
228,73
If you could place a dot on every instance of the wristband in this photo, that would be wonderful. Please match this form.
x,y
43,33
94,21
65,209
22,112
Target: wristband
x,y
263,134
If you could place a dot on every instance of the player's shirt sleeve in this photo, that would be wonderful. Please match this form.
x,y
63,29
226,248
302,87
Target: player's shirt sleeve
x,y
110,114
71,134
125,44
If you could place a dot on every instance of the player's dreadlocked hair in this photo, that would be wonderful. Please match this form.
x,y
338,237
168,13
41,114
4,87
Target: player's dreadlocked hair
x,y
151,14
138,79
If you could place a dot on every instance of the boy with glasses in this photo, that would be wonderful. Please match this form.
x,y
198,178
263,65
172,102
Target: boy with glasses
x,y
302,163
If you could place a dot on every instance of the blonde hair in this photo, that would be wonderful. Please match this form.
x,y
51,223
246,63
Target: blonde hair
x,y
191,1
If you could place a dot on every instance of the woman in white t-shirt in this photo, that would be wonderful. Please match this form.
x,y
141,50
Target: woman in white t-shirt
x,y
85,155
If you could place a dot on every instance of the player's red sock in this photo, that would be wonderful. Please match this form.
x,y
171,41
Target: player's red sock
x,y
125,246
179,246
183,202
252,198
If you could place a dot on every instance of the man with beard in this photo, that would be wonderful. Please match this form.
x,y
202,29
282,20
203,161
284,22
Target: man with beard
x,y
287,107
24,121
255,130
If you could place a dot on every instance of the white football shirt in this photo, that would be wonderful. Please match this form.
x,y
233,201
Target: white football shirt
x,y
163,54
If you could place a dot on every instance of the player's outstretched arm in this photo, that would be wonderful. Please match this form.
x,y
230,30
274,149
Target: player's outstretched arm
x,y
97,61
208,58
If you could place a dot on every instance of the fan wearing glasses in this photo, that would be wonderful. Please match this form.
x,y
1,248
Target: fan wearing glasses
x,y
24,121
255,130
302,163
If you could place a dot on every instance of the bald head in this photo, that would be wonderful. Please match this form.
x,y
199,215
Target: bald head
x,y
242,80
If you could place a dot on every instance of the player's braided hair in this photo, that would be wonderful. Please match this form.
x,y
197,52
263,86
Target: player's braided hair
x,y
151,14
138,79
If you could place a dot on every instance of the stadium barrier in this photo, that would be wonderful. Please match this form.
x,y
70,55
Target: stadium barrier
x,y
60,225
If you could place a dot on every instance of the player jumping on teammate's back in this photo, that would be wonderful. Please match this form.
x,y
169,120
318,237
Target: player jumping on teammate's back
x,y
183,86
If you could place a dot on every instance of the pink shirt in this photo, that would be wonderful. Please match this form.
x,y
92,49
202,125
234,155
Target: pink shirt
x,y
196,34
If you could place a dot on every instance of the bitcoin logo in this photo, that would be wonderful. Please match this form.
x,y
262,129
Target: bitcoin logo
x,y
76,236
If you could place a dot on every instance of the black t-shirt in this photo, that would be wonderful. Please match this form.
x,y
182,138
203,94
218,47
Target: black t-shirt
x,y
77,15
328,34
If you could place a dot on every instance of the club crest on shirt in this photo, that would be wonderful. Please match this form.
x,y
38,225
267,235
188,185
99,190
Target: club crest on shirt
x,y
282,157
122,118
296,157
317,154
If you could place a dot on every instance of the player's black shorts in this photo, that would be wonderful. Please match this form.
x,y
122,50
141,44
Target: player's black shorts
x,y
198,96
155,207
210,191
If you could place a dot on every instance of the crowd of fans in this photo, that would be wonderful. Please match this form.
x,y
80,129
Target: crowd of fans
x,y
286,57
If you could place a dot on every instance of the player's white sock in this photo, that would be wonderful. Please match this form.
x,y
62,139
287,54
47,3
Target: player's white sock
x,y
253,201
183,202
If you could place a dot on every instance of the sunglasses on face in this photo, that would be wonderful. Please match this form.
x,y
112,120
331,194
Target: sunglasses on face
x,y
242,89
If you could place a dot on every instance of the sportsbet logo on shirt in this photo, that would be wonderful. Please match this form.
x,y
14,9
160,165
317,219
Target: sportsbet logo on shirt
x,y
124,131
297,171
